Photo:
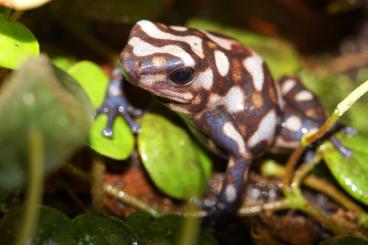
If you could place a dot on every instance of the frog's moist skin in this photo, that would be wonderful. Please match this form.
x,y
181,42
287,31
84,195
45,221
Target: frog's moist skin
x,y
225,89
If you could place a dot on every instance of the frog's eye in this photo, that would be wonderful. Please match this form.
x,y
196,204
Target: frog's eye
x,y
182,75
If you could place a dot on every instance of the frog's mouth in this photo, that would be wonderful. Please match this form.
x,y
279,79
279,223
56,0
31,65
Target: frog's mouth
x,y
165,100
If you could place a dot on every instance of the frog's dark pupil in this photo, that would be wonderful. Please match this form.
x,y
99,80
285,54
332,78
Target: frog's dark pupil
x,y
182,76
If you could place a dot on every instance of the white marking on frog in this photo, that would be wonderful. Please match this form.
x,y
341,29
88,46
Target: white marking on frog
x,y
265,130
179,28
230,193
293,123
222,63
234,100
222,42
142,48
303,96
254,65
287,86
151,30
204,79
230,131
148,80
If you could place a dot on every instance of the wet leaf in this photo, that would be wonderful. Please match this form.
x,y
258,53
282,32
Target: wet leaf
x,y
94,82
103,229
54,227
16,43
345,240
280,56
113,10
351,172
176,164
163,230
49,101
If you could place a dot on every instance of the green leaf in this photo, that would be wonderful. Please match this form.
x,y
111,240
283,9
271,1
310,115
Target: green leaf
x,y
16,43
352,172
94,82
53,227
113,10
280,56
164,230
345,240
92,79
176,164
120,147
103,229
49,101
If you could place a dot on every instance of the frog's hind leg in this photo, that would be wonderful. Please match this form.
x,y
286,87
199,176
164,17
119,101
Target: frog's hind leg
x,y
302,113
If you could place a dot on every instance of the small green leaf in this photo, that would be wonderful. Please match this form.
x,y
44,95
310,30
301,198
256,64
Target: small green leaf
x,y
94,82
120,147
54,227
39,98
351,172
176,164
345,240
63,63
92,79
103,229
280,56
16,43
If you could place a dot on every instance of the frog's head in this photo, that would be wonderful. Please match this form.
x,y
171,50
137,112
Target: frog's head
x,y
169,61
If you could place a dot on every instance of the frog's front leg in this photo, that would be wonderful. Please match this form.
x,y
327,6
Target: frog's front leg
x,y
116,104
219,126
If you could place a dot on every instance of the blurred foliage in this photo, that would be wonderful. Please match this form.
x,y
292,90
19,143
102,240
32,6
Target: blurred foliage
x,y
37,97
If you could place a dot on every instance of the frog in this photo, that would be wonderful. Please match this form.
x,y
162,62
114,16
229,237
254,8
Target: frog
x,y
225,90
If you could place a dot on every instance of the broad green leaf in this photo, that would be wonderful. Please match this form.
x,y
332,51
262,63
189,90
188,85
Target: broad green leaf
x,y
351,172
94,82
113,10
280,56
345,240
40,98
54,227
103,229
92,79
176,164
16,43
164,230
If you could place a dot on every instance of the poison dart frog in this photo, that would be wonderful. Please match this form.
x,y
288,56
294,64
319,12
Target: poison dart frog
x,y
226,91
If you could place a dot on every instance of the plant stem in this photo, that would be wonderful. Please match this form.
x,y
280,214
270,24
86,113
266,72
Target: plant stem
x,y
34,188
271,206
98,170
15,15
130,200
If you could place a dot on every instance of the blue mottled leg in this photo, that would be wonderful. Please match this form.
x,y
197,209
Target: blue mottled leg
x,y
115,104
219,125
